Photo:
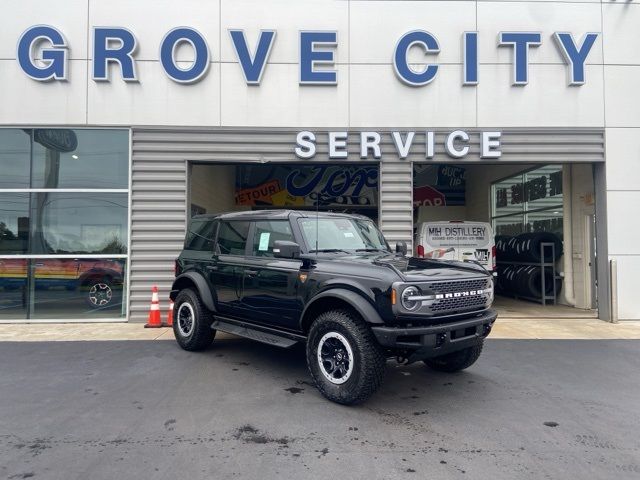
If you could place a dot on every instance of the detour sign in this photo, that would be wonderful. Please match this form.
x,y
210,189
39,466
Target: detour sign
x,y
259,195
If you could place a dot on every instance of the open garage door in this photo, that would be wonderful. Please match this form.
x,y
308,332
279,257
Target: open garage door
x,y
533,225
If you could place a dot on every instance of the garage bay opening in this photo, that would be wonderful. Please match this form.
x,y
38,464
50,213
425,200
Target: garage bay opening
x,y
216,188
534,226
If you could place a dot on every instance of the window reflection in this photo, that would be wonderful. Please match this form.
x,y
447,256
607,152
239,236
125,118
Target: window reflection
x,y
79,223
78,288
13,288
14,223
15,152
62,222
100,159
62,288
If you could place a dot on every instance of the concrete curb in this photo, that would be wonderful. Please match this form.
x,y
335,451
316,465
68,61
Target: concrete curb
x,y
505,328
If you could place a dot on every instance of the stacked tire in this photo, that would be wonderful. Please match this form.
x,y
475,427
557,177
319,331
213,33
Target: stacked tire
x,y
526,280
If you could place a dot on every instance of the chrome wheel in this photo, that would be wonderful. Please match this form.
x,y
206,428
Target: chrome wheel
x,y
185,319
100,294
335,358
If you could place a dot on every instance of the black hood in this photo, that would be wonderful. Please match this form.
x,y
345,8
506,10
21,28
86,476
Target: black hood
x,y
410,268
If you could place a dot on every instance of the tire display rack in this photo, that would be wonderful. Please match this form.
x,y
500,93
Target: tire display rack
x,y
544,297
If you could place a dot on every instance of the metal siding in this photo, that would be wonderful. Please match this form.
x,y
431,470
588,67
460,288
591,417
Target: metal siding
x,y
396,200
159,181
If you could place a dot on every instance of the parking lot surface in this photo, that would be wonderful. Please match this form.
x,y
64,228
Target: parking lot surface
x,y
146,409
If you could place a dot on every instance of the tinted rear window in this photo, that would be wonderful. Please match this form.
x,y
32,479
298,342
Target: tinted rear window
x,y
201,235
232,237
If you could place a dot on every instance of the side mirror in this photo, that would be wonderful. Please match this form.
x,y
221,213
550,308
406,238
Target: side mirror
x,y
286,249
401,247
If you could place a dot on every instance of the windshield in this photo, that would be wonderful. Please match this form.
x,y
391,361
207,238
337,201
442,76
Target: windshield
x,y
342,234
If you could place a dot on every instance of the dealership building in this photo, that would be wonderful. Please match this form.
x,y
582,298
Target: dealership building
x,y
120,120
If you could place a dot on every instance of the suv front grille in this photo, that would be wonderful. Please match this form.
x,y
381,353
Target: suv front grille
x,y
459,303
459,286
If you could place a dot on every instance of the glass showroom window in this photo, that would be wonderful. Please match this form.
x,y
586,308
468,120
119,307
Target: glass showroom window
x,y
528,202
64,197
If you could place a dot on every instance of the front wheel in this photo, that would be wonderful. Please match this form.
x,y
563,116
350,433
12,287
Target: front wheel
x,y
343,357
456,361
192,322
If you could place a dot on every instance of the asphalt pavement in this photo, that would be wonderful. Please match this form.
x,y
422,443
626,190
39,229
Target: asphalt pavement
x,y
146,409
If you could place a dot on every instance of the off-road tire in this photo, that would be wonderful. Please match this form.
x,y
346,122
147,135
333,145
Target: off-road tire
x,y
200,335
456,361
368,360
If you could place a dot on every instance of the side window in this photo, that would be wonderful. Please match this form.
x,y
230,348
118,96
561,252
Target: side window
x,y
232,237
265,235
200,236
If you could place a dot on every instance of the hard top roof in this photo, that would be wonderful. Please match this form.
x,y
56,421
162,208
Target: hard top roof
x,y
280,214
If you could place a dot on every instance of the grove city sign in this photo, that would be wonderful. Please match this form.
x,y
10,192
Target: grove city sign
x,y
43,54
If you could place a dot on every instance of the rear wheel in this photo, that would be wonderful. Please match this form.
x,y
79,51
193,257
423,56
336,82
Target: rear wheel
x,y
192,322
456,361
343,357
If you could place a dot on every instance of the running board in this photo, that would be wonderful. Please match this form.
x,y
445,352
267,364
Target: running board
x,y
257,333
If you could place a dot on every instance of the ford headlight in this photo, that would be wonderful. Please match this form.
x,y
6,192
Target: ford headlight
x,y
410,304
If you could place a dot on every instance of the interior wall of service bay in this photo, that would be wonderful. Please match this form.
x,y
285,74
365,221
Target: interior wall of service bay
x,y
368,93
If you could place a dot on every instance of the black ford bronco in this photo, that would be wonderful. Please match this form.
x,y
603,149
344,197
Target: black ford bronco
x,y
331,281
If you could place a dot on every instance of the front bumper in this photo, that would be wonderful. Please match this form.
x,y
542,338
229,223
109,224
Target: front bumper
x,y
435,340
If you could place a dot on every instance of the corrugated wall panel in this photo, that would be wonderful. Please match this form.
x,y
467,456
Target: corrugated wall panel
x,y
396,200
159,181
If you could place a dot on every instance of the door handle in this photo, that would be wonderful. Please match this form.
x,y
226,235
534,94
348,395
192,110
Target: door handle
x,y
212,267
251,273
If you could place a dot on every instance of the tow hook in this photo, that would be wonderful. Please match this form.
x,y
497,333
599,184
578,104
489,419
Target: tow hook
x,y
402,360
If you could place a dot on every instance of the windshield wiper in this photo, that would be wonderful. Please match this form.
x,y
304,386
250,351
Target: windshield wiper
x,y
372,250
328,250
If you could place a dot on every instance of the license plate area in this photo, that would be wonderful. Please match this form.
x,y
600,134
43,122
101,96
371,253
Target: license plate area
x,y
463,333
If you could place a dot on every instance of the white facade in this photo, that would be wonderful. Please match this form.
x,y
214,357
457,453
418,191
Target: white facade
x,y
368,94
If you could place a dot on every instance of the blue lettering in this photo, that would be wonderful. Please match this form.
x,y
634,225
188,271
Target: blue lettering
x,y
253,68
470,60
338,183
575,57
307,188
104,53
55,58
167,55
365,177
520,41
310,57
401,65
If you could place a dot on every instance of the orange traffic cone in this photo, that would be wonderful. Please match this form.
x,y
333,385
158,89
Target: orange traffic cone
x,y
169,322
154,311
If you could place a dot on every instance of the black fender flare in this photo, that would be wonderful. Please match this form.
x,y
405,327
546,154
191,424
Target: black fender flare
x,y
201,285
359,303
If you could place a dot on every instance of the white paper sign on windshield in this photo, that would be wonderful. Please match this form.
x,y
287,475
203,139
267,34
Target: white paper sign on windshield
x,y
263,246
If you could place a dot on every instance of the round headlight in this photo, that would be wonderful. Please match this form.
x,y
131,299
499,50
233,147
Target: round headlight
x,y
410,292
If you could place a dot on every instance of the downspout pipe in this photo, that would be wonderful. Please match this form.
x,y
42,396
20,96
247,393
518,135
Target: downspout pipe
x,y
567,233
